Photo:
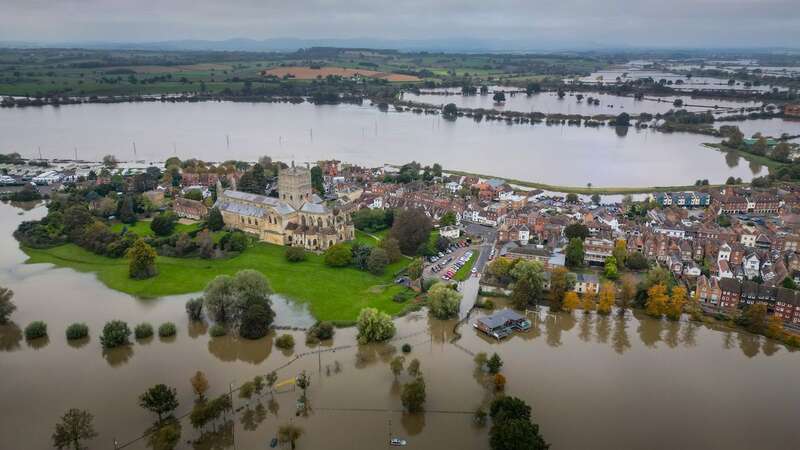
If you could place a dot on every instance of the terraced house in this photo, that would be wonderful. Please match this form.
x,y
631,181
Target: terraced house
x,y
297,217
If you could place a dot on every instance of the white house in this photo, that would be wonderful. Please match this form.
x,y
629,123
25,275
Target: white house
x,y
377,203
752,266
724,253
450,232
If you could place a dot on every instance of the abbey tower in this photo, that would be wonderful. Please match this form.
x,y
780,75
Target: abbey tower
x,y
294,186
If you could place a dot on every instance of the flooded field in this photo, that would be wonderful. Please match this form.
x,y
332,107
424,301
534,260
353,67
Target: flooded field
x,y
216,131
767,127
628,382
549,103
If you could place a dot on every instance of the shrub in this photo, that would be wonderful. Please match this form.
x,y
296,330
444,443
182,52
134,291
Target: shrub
x,y
377,261
285,342
77,331
321,331
402,297
234,242
143,331
194,307
35,330
406,348
295,254
255,321
167,329
338,256
374,326
217,330
115,333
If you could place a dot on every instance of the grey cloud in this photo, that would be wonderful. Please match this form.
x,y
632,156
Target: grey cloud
x,y
694,23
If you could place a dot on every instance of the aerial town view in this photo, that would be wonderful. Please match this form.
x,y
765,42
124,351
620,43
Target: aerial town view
x,y
366,225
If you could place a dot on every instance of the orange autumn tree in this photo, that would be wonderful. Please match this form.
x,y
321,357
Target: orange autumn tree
x,y
608,296
589,301
676,302
571,301
657,300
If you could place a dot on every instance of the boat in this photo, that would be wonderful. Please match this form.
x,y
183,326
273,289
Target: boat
x,y
397,442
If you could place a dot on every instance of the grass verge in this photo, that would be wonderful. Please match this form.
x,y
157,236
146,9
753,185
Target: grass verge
x,y
464,272
336,294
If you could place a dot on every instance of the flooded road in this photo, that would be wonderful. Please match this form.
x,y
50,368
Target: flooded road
x,y
593,382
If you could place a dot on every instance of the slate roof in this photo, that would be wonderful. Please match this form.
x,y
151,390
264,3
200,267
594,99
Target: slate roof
x,y
500,318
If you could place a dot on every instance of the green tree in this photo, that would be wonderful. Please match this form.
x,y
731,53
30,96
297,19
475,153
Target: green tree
x,y
494,364
142,261
392,249
516,434
447,219
338,255
413,395
620,253
529,283
450,111
781,152
194,308
413,368
411,229
623,120
163,224
396,365
509,408
499,97
215,221
414,269
115,333
377,261
255,321
572,197
220,298
7,307
574,253
443,302
317,181
559,285
76,425
160,399
576,230
374,326
611,271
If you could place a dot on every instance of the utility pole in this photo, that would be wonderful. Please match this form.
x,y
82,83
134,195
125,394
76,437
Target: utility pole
x,y
135,157
40,152
233,426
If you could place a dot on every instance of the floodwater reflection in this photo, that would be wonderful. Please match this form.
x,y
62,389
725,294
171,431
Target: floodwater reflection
x,y
10,337
231,348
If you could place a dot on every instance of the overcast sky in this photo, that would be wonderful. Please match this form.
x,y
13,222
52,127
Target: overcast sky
x,y
696,23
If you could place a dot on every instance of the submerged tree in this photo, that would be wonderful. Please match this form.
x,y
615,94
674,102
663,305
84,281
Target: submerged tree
x,y
6,305
289,434
160,399
75,426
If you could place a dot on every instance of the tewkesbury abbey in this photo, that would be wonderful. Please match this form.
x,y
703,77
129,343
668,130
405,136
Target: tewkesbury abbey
x,y
298,217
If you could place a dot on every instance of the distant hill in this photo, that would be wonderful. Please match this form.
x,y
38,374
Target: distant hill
x,y
291,44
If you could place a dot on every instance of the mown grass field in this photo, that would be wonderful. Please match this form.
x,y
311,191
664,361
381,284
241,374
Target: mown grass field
x,y
142,228
336,294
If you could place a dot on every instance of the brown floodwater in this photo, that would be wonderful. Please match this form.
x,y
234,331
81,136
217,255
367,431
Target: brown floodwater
x,y
593,382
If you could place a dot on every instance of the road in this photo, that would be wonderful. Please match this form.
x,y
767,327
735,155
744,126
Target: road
x,y
469,288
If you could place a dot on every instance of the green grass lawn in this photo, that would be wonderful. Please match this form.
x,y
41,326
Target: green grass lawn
x,y
142,228
364,238
464,272
332,294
